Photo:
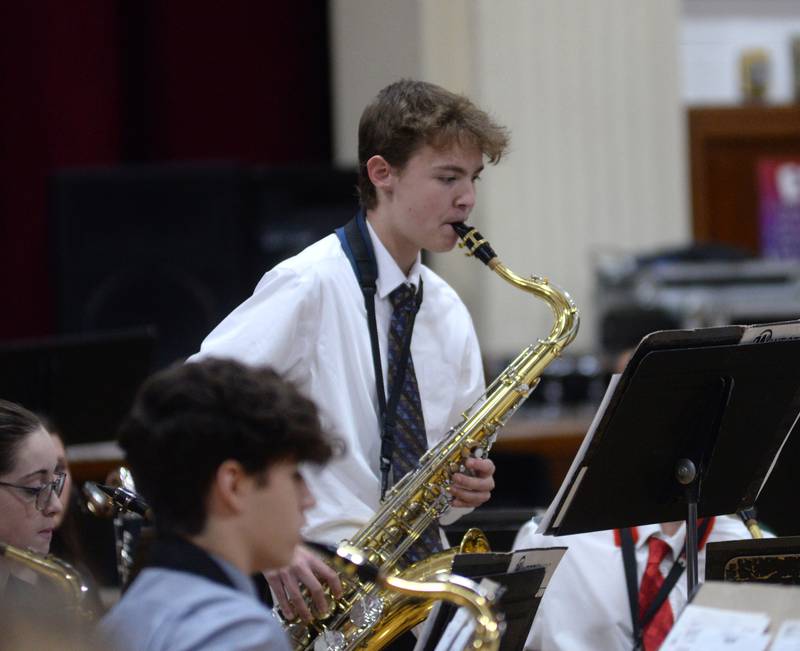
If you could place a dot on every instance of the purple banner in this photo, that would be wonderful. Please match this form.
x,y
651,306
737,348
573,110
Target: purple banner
x,y
779,207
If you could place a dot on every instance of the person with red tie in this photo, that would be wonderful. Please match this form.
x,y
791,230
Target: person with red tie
x,y
588,604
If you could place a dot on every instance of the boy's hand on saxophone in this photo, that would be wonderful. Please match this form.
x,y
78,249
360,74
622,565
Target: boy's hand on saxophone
x,y
472,490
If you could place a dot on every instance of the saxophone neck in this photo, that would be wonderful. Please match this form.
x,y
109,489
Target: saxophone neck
x,y
565,311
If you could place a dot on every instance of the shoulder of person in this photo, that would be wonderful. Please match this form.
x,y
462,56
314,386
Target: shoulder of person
x,y
314,266
185,605
728,527
527,538
437,286
227,618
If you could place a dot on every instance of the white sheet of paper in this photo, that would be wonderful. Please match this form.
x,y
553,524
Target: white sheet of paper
x,y
788,636
717,640
548,557
701,628
458,633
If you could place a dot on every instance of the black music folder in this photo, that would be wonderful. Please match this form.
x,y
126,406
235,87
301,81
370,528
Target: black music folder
x,y
762,560
521,577
691,428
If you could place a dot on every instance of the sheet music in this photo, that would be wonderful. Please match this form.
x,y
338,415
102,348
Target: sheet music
x,y
788,636
458,633
701,628
548,557
554,510
764,333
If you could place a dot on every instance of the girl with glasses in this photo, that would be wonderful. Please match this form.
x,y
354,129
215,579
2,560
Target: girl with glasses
x,y
35,611
29,486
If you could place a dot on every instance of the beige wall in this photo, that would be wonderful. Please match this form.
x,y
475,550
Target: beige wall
x,y
590,91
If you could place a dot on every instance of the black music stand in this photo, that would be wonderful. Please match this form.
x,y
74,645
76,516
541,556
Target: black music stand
x,y
692,428
519,595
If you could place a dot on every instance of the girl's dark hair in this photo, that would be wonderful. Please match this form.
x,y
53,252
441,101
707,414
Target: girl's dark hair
x,y
190,418
16,423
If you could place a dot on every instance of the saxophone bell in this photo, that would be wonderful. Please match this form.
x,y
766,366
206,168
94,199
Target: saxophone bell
x,y
452,588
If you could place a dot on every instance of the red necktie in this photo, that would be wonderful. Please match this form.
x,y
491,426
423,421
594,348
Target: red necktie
x,y
658,627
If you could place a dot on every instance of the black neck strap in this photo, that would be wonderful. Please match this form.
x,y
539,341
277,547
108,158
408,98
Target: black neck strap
x,y
631,581
357,245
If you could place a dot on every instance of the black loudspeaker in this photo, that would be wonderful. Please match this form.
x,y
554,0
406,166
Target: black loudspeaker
x,y
159,245
294,207
83,384
180,246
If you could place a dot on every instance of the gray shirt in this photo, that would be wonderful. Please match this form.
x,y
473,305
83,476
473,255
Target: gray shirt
x,y
171,610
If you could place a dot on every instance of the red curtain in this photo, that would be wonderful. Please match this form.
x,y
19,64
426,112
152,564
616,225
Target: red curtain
x,y
96,82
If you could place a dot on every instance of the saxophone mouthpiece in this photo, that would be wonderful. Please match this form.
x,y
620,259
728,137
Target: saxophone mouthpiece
x,y
127,500
473,241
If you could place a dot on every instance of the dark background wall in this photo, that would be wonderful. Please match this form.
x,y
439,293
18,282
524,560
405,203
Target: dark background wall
x,y
110,82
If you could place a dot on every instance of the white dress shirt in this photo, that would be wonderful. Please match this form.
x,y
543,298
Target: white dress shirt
x,y
307,320
585,606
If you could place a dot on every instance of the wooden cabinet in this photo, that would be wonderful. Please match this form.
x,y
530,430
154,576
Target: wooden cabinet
x,y
725,144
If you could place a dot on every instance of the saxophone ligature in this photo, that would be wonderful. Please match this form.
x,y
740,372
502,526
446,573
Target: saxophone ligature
x,y
368,615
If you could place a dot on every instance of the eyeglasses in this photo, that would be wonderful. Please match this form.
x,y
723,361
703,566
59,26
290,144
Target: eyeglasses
x,y
42,493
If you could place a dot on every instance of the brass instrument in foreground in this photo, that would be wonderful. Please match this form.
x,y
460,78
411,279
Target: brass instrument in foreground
x,y
370,617
455,589
68,580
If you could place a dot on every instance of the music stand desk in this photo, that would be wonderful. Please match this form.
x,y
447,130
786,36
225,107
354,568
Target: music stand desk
x,y
691,428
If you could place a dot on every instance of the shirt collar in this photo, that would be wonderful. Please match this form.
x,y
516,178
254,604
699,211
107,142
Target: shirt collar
x,y
389,273
675,542
240,580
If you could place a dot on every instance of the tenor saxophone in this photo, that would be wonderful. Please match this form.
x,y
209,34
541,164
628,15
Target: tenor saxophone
x,y
370,616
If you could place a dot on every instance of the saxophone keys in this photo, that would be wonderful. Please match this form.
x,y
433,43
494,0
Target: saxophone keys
x,y
299,633
470,445
366,611
393,533
330,640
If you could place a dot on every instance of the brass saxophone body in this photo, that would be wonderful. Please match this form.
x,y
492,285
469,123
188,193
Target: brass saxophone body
x,y
68,580
369,616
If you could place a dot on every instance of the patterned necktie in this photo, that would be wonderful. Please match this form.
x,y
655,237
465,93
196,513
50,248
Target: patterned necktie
x,y
410,440
652,580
